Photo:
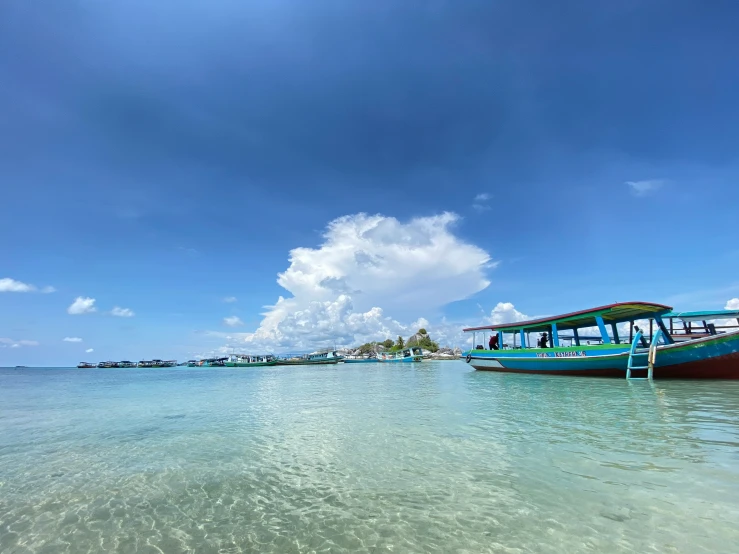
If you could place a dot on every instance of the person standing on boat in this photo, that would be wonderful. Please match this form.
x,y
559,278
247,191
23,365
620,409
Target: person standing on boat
x,y
543,341
493,344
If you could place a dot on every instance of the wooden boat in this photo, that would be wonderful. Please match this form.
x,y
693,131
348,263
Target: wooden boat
x,y
358,360
328,357
413,354
157,363
239,360
126,364
710,353
208,362
86,365
107,365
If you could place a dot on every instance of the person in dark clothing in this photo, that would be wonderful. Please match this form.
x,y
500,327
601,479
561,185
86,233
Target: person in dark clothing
x,y
493,344
543,341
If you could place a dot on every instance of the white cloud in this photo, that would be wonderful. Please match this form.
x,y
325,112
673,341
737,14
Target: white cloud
x,y
122,312
368,265
82,305
732,304
479,203
5,342
232,321
505,312
642,188
72,339
11,285
90,350
230,299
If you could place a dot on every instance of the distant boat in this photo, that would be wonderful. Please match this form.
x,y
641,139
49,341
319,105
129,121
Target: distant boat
x,y
358,360
207,362
704,351
157,363
126,364
86,365
328,357
238,360
145,364
413,354
107,365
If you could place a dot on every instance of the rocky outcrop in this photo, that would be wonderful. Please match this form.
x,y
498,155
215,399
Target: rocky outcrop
x,y
446,354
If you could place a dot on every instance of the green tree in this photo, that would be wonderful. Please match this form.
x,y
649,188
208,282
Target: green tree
x,y
367,348
388,343
428,344
423,340
400,343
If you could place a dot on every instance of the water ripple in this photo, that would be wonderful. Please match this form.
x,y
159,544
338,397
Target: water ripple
x,y
431,458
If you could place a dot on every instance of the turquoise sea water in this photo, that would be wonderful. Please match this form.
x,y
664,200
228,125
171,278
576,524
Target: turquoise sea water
x,y
420,458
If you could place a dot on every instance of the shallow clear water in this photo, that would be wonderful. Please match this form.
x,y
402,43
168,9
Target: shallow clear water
x,y
414,458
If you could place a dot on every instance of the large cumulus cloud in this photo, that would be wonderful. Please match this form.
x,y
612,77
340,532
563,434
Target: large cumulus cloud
x,y
371,273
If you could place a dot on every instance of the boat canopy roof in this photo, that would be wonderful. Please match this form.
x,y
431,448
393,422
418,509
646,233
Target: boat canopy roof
x,y
702,316
612,313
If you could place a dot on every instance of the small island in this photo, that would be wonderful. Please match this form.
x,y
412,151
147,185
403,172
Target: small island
x,y
421,338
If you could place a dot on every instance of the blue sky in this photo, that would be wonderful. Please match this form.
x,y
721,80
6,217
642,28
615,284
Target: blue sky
x,y
162,157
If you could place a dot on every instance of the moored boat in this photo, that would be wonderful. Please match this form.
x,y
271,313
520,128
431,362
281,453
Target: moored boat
x,y
359,360
86,365
240,360
107,365
145,364
413,354
157,363
567,345
126,364
316,358
206,362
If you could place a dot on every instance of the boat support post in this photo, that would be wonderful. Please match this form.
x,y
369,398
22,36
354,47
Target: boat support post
x,y
603,331
663,329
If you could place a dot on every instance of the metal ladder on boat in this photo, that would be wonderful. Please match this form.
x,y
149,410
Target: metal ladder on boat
x,y
650,354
